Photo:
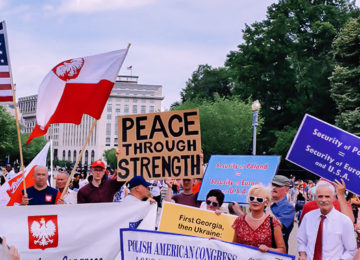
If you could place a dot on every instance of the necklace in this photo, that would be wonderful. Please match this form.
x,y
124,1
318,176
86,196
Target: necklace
x,y
256,219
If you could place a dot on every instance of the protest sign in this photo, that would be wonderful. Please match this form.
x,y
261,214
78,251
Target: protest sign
x,y
187,220
64,232
160,145
235,174
327,151
145,244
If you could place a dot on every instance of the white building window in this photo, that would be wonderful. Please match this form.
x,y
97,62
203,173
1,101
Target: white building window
x,y
108,129
109,108
152,109
118,110
116,127
134,109
92,156
143,109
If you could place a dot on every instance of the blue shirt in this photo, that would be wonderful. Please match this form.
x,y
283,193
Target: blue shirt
x,y
46,196
285,212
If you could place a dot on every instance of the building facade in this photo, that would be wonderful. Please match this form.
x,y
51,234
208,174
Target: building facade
x,y
127,97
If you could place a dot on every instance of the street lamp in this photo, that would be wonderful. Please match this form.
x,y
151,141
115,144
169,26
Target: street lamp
x,y
255,107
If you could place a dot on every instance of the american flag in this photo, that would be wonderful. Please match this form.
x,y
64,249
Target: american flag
x,y
5,80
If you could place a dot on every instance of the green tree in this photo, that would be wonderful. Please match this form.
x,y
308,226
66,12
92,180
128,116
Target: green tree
x,y
286,62
205,82
110,157
8,135
63,163
226,125
345,88
32,149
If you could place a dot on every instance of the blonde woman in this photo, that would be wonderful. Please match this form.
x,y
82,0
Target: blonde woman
x,y
254,229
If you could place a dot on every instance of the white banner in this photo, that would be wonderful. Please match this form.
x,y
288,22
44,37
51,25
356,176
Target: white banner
x,y
145,244
64,232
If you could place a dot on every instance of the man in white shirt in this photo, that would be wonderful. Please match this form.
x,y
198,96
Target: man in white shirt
x,y
10,172
70,196
337,239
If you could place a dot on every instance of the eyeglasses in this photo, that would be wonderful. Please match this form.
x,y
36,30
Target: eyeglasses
x,y
98,169
258,199
214,204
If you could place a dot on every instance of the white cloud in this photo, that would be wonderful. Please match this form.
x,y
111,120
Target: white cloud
x,y
92,6
2,3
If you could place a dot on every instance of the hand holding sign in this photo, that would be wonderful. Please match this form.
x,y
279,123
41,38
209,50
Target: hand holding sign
x,y
340,187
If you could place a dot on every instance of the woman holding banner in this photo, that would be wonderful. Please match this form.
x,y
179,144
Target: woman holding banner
x,y
258,228
214,200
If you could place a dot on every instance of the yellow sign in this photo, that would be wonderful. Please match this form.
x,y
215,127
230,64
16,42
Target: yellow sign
x,y
160,145
187,220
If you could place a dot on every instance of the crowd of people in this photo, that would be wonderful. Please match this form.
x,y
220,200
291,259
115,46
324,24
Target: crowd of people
x,y
326,214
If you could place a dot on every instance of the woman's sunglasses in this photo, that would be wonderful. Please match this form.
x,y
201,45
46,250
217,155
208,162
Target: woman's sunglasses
x,y
258,199
214,204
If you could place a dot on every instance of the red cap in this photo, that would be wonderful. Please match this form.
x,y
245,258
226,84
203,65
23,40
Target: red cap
x,y
98,163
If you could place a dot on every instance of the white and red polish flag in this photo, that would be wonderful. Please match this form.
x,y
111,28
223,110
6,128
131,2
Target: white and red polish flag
x,y
11,191
5,80
76,87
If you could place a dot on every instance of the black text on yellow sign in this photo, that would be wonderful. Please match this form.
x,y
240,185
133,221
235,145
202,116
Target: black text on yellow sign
x,y
160,145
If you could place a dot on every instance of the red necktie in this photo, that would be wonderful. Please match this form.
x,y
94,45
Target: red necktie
x,y
318,243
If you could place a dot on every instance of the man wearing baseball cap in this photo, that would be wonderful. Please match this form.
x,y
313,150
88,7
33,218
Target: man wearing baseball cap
x,y
281,207
139,190
99,188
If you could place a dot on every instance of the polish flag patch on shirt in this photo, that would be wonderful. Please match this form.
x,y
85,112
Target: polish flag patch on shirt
x,y
48,198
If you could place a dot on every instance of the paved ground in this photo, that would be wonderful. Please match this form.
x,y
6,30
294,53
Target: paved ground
x,y
292,241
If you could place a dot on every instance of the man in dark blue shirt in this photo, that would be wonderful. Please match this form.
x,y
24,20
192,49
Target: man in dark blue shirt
x,y
281,207
40,193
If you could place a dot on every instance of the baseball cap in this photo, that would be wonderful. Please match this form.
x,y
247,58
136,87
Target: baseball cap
x,y
98,163
281,180
136,181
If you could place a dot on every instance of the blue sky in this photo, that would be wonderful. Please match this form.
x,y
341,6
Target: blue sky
x,y
169,38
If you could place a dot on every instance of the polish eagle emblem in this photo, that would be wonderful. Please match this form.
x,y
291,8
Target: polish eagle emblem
x,y
43,231
69,69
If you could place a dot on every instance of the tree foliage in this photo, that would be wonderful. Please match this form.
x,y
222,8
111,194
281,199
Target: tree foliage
x,y
9,144
226,125
32,149
205,82
286,63
345,87
8,135
110,157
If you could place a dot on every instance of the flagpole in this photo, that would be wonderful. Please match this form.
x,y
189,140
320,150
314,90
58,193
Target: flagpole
x,y
78,159
16,111
51,164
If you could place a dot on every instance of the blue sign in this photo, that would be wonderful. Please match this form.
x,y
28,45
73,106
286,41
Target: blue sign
x,y
235,174
327,151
